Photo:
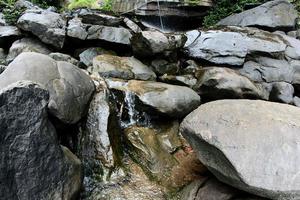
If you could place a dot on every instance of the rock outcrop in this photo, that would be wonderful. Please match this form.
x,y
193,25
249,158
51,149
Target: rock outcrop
x,y
33,165
248,144
70,88
273,15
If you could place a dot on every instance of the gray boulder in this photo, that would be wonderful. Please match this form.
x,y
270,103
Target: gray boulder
x,y
184,80
33,165
76,29
248,144
8,34
64,57
263,69
282,92
69,87
46,25
232,45
116,35
26,45
170,100
208,189
274,15
221,83
127,68
132,25
149,43
87,56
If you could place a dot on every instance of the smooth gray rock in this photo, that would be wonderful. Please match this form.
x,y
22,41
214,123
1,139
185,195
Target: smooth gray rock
x,y
69,87
232,45
116,35
208,189
76,29
27,5
33,165
46,25
8,34
165,99
87,56
222,83
275,15
282,92
26,45
264,69
251,145
64,57
110,66
149,43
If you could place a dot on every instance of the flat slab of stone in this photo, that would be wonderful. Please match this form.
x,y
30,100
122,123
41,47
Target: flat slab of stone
x,y
251,145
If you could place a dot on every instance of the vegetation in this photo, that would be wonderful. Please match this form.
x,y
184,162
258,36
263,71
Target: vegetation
x,y
224,8
12,14
94,4
83,4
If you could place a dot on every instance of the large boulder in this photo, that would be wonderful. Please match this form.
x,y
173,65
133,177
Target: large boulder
x,y
97,18
232,45
33,164
251,145
69,87
79,30
170,100
263,69
86,57
149,43
46,25
8,34
274,15
221,83
26,45
121,67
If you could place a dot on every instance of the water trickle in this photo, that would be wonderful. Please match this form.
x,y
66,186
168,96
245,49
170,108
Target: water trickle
x,y
130,115
160,17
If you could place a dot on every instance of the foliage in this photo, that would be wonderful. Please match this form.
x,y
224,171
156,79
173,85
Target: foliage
x,y
83,4
107,6
12,14
224,8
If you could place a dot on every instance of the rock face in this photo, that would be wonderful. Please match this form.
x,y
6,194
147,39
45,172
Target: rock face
x,y
8,34
237,43
166,99
250,145
46,25
274,15
70,88
127,68
33,165
79,30
149,43
221,83
26,45
87,56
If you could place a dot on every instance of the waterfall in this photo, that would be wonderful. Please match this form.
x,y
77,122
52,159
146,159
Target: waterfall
x,y
160,18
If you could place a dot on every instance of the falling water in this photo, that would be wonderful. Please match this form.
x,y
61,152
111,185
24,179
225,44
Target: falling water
x,y
129,102
160,17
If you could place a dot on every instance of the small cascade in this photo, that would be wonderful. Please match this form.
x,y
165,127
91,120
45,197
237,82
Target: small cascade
x,y
160,17
130,115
